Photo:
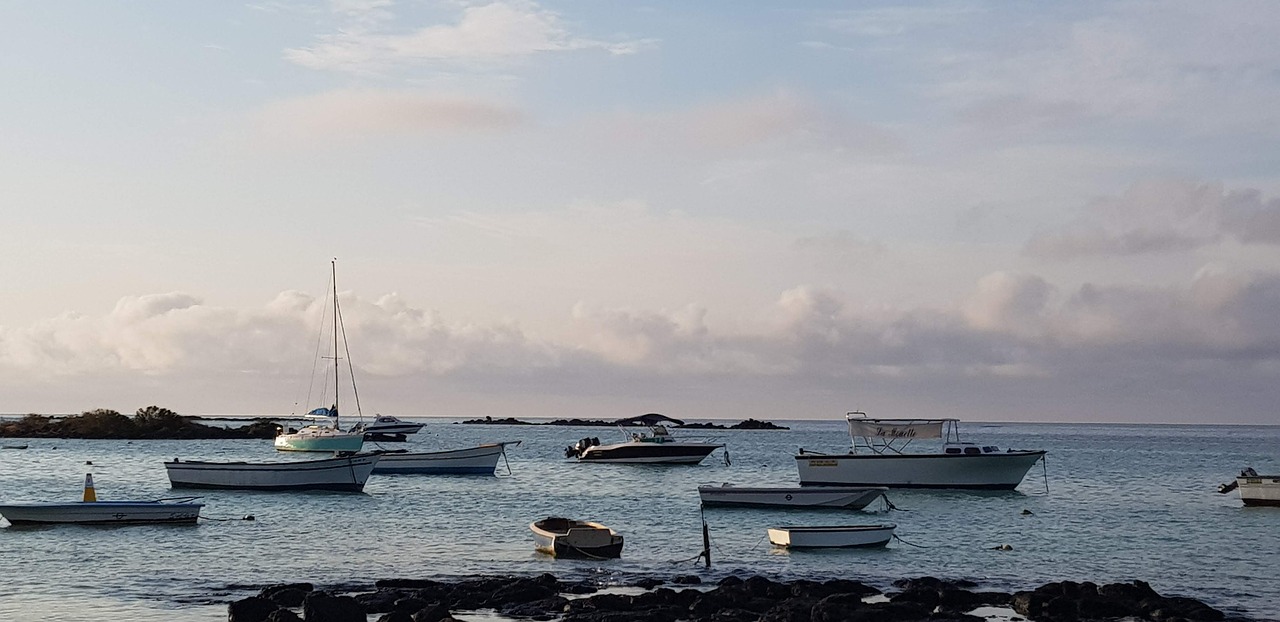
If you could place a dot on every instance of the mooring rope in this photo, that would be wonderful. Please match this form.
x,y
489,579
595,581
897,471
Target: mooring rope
x,y
895,537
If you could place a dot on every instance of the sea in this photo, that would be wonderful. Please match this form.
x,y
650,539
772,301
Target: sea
x,y
1110,503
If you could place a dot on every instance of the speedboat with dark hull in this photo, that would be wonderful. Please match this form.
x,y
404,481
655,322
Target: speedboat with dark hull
x,y
569,538
386,427
341,474
879,457
656,446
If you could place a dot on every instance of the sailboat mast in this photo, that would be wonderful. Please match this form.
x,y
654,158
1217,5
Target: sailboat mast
x,y
336,393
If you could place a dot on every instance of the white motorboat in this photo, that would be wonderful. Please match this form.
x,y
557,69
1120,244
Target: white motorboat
x,y
386,425
832,536
479,460
328,437
657,446
342,473
844,497
879,457
1255,490
565,537
91,511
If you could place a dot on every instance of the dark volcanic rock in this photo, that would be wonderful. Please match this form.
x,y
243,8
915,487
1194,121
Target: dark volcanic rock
x,y
287,595
321,607
283,615
396,616
432,613
1069,601
252,609
951,597
545,609
492,421
686,579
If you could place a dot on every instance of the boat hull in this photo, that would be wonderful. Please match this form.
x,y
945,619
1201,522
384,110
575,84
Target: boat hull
x,y
843,497
101,513
990,471
345,474
480,460
572,539
1259,490
639,452
832,537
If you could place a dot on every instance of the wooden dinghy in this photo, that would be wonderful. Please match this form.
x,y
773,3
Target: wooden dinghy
x,y
566,537
832,536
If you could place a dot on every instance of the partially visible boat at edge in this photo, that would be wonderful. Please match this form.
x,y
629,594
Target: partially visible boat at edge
x,y
878,458
844,497
347,473
566,537
832,536
90,511
1255,490
657,446
478,460
331,437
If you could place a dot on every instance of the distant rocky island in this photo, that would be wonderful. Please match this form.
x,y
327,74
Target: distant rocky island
x,y
152,422
749,424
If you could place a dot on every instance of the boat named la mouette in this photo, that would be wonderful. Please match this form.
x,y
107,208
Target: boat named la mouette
x,y
879,458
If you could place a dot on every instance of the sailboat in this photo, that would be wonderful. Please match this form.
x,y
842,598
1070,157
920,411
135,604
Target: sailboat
x,y
326,437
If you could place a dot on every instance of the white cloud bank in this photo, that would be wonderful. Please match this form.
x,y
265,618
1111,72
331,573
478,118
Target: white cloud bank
x,y
1015,348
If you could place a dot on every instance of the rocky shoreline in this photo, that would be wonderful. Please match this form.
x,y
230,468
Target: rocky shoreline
x,y
732,599
152,422
749,424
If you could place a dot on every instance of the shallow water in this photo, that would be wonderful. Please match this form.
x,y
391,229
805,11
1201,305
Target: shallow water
x,y
1124,502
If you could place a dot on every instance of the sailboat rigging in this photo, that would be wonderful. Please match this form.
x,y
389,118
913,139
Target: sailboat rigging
x,y
319,437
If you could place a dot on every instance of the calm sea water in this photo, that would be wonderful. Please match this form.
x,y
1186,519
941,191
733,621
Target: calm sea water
x,y
1123,502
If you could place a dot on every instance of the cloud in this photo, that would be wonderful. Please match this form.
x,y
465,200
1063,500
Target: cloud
x,y
1016,339
1162,216
494,32
368,113
1192,66
778,120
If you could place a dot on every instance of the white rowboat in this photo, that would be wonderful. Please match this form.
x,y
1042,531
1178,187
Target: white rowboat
x,y
183,510
343,474
479,460
565,537
833,536
845,497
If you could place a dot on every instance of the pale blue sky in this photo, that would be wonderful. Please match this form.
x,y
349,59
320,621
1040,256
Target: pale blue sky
x,y
1012,211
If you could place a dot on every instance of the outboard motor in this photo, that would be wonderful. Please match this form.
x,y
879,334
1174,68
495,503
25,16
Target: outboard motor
x,y
577,449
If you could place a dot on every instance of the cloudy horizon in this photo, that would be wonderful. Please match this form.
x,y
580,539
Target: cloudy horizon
x,y
561,209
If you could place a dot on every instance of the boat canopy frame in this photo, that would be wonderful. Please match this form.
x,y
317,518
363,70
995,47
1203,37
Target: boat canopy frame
x,y
893,436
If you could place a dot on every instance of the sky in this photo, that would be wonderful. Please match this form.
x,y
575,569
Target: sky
x,y
995,211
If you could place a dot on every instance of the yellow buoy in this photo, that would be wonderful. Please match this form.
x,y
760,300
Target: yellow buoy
x,y
89,494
